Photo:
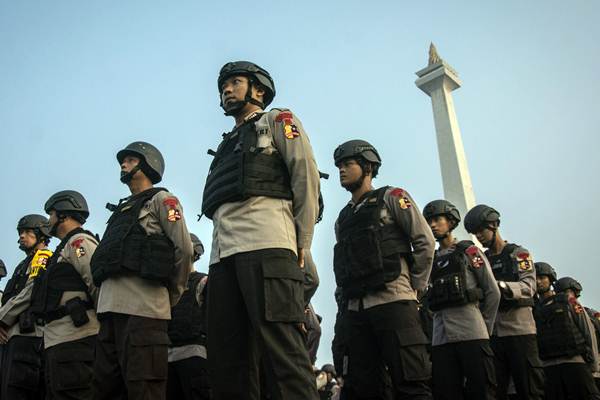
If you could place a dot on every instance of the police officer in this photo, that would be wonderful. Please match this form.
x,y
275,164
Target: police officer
x,y
566,343
379,275
64,298
141,266
188,369
22,372
513,340
331,387
464,298
262,194
595,318
545,276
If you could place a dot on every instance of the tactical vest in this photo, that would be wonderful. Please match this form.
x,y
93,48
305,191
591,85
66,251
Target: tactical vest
x,y
188,319
18,280
506,269
127,248
240,170
449,279
367,254
557,332
57,278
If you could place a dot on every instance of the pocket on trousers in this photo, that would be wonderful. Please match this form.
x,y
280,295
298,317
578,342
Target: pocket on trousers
x,y
416,365
147,355
284,291
24,370
72,370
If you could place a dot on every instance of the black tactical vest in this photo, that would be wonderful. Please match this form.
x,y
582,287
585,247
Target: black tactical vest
x,y
240,171
18,280
188,320
367,254
127,248
557,332
57,278
449,279
505,268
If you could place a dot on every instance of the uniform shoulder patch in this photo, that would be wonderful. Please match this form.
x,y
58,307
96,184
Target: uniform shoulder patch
x,y
171,202
575,304
523,259
290,130
39,262
402,196
77,242
475,259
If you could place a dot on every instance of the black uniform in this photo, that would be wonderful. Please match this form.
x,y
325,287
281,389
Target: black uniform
x,y
188,369
565,346
383,254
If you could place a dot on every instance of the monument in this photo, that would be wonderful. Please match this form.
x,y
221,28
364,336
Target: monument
x,y
438,80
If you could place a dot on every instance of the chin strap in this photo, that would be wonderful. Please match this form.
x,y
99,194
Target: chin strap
x,y
238,105
127,177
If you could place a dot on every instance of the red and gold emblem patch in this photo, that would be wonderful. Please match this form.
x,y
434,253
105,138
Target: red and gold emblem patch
x,y
474,257
289,128
403,200
173,213
524,261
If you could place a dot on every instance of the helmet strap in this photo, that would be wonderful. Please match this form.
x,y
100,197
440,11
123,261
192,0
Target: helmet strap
x,y
126,178
238,105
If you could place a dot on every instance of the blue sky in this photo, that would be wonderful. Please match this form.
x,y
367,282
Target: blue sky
x,y
80,80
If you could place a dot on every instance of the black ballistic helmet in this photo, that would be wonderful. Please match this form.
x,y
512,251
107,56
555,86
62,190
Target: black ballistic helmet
x,y
35,222
568,283
545,269
356,148
441,207
479,217
152,162
198,246
254,72
68,201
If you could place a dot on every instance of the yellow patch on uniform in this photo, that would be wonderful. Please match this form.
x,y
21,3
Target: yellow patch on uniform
x,y
80,252
404,203
173,215
525,265
39,261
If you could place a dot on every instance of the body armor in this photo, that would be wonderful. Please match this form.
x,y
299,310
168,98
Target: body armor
x,y
367,254
557,332
18,280
126,248
240,170
188,319
505,268
52,282
449,280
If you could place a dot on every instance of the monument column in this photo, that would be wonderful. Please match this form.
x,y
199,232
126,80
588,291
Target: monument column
x,y
438,80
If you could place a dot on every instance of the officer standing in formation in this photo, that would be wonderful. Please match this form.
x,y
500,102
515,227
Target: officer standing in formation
x,y
513,341
464,298
188,369
64,298
141,266
262,195
567,342
22,372
382,257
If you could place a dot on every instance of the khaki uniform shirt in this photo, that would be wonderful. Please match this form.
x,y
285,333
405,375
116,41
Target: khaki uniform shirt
x,y
471,321
400,209
262,222
132,295
78,252
519,320
9,313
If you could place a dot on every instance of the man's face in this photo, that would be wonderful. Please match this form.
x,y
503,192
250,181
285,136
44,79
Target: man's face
x,y
543,283
350,172
27,238
234,90
440,226
129,162
485,237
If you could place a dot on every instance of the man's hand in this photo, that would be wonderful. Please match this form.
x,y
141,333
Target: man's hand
x,y
3,335
301,258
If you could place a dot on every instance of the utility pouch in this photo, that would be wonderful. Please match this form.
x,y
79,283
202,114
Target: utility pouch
x,y
26,322
76,309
